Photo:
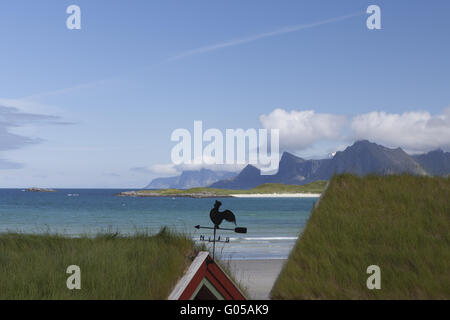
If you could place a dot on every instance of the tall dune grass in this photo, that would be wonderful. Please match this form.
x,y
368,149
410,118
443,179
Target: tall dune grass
x,y
400,223
141,266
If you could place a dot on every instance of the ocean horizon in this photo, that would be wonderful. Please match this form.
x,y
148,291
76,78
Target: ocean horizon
x,y
273,223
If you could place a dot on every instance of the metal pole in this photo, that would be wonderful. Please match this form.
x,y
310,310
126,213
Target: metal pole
x,y
214,241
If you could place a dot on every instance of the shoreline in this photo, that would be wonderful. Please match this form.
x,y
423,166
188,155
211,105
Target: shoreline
x,y
277,195
257,276
265,190
200,195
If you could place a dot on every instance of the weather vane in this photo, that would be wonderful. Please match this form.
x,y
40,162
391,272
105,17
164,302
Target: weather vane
x,y
217,218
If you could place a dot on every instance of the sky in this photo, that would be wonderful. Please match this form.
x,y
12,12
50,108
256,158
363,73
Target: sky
x,y
95,107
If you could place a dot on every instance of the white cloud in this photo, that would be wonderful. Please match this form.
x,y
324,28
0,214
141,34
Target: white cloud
x,y
301,129
5,164
170,169
31,106
167,169
164,169
415,131
214,167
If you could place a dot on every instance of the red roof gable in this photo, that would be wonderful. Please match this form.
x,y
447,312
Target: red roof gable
x,y
205,280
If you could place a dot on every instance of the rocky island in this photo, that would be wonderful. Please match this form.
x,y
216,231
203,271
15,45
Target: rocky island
x,y
34,189
145,193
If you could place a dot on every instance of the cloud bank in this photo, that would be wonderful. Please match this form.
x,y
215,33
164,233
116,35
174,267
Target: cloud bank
x,y
300,129
414,131
170,169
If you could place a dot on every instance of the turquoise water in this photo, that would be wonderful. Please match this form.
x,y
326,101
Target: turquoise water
x,y
273,223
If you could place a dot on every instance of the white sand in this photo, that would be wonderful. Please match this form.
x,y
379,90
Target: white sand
x,y
256,276
277,195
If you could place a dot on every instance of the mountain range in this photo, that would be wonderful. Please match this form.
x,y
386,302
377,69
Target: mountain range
x,y
361,158
436,163
190,179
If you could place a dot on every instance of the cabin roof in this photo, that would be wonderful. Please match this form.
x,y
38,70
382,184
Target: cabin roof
x,y
205,280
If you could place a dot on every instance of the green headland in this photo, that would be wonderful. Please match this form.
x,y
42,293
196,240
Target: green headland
x,y
267,188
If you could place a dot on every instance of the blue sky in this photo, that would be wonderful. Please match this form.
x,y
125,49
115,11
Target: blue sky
x,y
95,107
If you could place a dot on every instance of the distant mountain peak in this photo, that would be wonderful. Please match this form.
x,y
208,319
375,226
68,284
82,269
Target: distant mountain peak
x,y
364,157
250,169
190,179
438,151
363,141
436,162
365,144
286,156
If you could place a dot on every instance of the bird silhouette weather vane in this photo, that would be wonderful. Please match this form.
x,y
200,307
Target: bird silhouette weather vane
x,y
217,218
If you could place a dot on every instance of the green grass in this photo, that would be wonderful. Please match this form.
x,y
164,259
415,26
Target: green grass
x,y
400,223
314,187
112,267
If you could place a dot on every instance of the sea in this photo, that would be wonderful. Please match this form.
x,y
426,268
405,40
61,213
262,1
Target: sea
x,y
273,224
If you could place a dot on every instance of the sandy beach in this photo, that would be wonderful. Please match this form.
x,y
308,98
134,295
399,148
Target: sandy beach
x,y
277,195
256,276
